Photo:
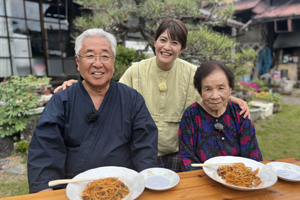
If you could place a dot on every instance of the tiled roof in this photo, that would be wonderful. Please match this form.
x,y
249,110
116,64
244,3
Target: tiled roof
x,y
204,14
245,5
283,11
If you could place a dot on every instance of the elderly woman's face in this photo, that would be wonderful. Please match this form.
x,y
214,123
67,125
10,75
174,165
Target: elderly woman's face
x,y
96,72
215,91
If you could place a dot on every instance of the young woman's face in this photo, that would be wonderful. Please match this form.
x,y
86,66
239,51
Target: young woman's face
x,y
166,50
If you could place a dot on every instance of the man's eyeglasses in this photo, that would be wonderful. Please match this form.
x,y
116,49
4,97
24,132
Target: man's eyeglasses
x,y
92,58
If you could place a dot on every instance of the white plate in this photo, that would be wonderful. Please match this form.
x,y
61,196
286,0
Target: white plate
x,y
267,176
160,178
286,171
131,178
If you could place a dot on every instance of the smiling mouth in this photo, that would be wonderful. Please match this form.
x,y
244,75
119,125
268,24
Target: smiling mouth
x,y
166,54
98,73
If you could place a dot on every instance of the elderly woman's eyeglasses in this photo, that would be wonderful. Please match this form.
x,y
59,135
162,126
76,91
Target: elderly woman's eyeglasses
x,y
92,58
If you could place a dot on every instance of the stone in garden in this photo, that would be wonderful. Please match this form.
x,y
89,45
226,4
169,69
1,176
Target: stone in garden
x,y
6,146
4,163
15,170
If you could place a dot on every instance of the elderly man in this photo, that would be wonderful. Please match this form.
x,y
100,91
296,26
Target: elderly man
x,y
96,123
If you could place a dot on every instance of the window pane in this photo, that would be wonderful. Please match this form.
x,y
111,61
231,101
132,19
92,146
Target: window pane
x,y
19,47
21,66
50,13
15,8
64,30
55,67
5,69
3,27
70,67
32,10
2,12
68,50
50,1
54,49
16,27
52,31
62,13
4,48
37,48
38,67
34,29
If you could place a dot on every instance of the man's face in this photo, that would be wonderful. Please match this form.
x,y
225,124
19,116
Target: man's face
x,y
94,72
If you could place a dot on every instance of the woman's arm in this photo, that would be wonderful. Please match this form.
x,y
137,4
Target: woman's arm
x,y
242,104
65,84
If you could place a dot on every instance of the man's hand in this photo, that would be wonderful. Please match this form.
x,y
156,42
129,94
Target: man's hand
x,y
242,104
65,84
46,190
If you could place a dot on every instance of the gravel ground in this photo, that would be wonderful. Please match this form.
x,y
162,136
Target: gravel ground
x,y
292,99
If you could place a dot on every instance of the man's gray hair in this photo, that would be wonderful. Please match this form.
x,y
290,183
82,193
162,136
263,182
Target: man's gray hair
x,y
96,32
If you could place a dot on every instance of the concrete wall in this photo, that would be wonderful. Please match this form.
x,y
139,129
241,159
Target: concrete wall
x,y
253,34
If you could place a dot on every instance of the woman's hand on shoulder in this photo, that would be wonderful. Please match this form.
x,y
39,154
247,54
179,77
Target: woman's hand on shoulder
x,y
65,85
243,106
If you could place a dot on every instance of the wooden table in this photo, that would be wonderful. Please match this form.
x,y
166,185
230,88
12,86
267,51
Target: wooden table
x,y
197,185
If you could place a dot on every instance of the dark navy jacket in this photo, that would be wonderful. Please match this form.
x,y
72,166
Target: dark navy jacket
x,y
65,144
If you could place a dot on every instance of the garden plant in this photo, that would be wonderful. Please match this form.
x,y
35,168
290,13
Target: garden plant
x,y
19,97
203,43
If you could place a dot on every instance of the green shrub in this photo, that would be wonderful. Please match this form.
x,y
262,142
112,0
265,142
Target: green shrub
x,y
123,60
19,97
22,147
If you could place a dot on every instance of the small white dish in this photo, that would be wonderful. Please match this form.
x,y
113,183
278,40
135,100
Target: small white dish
x,y
286,171
267,176
160,178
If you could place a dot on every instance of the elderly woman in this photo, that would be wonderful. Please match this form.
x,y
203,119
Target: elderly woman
x,y
165,81
213,126
97,122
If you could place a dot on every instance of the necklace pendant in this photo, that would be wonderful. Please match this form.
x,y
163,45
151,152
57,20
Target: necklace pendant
x,y
218,126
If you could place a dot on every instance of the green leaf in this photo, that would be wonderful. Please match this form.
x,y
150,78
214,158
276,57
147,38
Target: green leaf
x,y
19,96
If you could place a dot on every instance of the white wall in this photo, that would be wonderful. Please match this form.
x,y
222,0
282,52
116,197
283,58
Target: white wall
x,y
139,45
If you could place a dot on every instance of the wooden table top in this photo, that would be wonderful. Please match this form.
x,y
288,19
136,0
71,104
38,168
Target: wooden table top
x,y
197,185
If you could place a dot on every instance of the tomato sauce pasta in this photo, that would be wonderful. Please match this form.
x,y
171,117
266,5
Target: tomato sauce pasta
x,y
239,175
105,189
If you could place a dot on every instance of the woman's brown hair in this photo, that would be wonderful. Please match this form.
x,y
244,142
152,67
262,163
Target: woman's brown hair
x,y
176,30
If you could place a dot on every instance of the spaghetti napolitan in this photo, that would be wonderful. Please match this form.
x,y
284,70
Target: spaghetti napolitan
x,y
239,175
104,189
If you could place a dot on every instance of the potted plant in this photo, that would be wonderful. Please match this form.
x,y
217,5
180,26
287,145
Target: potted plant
x,y
240,88
262,84
262,96
254,112
276,100
266,97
